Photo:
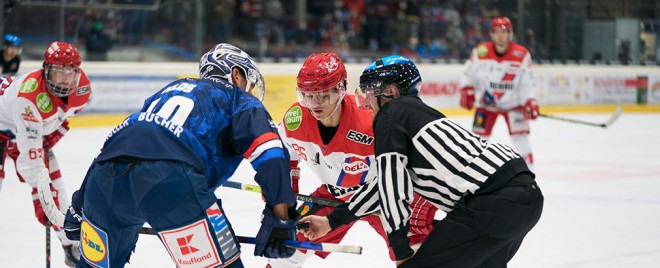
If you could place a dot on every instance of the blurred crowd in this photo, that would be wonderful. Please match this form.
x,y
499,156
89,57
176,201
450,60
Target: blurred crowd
x,y
426,29
353,28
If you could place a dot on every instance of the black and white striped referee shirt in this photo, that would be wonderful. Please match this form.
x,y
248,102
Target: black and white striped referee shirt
x,y
419,150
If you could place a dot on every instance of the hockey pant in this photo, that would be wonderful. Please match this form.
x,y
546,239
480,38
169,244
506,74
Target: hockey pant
x,y
122,194
9,148
483,230
484,121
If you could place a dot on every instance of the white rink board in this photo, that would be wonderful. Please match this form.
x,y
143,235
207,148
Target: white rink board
x,y
120,87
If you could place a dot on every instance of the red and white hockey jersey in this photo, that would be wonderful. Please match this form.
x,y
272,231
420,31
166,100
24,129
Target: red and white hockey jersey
x,y
347,162
28,112
503,81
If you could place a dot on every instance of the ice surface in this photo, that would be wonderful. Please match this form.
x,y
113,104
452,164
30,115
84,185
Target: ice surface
x,y
602,206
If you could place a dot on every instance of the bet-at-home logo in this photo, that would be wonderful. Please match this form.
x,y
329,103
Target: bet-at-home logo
x,y
28,86
293,118
43,102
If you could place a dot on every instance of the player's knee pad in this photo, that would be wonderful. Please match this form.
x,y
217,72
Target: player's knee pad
x,y
295,261
191,245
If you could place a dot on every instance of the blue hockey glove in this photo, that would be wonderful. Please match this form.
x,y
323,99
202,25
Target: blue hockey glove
x,y
72,223
73,218
273,232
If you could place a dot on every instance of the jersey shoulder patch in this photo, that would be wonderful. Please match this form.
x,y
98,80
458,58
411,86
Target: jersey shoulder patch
x,y
293,117
482,50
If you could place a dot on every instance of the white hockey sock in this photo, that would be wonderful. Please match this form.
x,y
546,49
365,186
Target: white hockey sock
x,y
295,261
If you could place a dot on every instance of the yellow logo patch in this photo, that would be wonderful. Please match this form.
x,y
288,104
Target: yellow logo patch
x,y
93,242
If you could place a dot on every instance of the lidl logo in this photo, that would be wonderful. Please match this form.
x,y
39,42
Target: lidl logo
x,y
93,243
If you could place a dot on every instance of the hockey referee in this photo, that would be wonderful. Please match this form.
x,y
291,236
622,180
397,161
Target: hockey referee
x,y
486,189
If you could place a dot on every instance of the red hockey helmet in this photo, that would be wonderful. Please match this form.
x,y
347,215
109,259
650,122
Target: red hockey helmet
x,y
62,54
61,68
501,22
321,71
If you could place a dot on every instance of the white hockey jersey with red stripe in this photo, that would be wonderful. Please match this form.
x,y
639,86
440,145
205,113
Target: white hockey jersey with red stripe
x,y
347,162
503,81
28,112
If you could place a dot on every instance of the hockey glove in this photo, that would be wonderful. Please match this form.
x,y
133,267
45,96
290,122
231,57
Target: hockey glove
x,y
51,139
273,232
467,98
531,109
295,176
38,210
421,221
73,219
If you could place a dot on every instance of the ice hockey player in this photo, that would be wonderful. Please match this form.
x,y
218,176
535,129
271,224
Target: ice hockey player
x,y
326,130
489,194
34,112
162,164
499,74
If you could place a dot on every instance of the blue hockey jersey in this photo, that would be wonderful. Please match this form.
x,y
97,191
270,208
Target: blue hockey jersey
x,y
211,125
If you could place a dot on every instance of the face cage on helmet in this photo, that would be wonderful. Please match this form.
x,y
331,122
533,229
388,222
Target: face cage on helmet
x,y
371,91
255,83
60,91
303,96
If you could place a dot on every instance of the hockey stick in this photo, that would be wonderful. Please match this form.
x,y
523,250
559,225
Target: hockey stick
x,y
326,247
47,243
606,124
300,197
53,214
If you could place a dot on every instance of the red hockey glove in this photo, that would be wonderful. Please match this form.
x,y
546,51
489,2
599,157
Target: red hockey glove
x,y
421,221
38,210
51,139
467,97
295,176
531,109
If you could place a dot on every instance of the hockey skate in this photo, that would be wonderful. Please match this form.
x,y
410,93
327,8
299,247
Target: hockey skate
x,y
71,254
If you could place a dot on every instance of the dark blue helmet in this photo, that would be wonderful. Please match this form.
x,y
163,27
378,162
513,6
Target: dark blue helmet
x,y
219,61
394,69
12,40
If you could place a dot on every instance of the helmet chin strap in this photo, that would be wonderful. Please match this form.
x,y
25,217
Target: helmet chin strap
x,y
389,97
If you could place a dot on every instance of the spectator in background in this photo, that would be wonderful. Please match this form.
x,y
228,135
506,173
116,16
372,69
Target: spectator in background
x,y
97,43
11,51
